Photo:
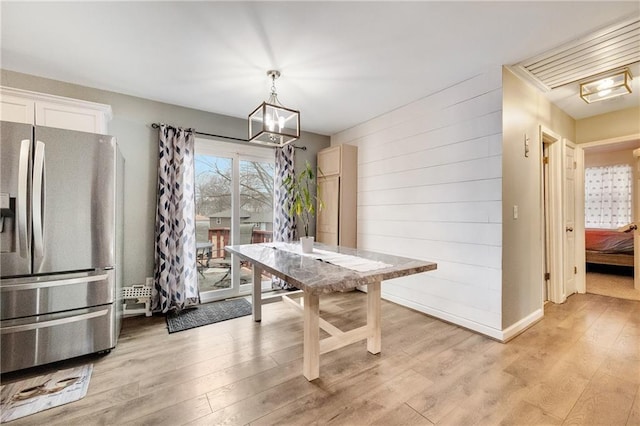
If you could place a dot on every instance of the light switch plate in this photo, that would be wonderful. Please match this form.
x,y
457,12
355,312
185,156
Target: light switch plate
x,y
4,200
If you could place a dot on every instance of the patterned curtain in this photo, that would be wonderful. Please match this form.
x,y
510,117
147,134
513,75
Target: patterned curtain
x,y
175,274
283,223
608,196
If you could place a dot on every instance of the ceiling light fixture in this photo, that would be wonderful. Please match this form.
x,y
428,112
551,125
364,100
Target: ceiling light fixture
x,y
606,86
272,123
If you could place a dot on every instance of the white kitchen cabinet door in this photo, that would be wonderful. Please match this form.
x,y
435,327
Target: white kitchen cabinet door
x,y
328,216
329,161
17,109
42,109
52,114
336,224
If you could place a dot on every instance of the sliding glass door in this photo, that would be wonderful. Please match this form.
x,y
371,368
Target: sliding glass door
x,y
234,205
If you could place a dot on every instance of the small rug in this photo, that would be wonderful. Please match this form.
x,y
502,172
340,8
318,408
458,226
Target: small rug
x,y
208,313
30,396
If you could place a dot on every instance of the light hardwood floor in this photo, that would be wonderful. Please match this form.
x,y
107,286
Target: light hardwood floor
x,y
613,285
579,365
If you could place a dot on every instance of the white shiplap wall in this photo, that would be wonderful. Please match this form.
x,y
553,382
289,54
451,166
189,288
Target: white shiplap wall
x,y
430,187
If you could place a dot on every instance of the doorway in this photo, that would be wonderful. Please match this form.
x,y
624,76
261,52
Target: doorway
x,y
562,207
234,205
615,274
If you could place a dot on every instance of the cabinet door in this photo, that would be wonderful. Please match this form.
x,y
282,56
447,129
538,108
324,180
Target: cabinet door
x,y
51,114
41,109
327,219
17,110
329,161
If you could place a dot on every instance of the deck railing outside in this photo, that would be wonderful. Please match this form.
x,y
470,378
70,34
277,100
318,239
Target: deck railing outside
x,y
219,237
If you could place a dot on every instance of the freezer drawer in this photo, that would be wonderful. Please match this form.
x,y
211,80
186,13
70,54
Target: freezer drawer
x,y
28,342
22,297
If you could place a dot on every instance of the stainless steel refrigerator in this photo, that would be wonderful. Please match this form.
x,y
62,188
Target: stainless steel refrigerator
x,y
60,244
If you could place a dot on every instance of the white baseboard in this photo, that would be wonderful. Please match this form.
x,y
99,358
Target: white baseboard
x,y
454,319
500,335
526,322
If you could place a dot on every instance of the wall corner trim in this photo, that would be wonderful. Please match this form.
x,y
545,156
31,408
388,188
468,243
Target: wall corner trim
x,y
520,326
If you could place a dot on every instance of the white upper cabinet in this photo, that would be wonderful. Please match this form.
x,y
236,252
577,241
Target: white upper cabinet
x,y
41,109
329,161
17,109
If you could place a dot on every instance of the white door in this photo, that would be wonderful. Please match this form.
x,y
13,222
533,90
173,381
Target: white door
x,y
569,243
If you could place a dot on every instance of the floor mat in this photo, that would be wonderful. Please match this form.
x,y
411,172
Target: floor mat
x,y
30,396
208,313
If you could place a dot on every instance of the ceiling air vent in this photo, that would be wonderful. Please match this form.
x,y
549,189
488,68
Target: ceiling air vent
x,y
609,48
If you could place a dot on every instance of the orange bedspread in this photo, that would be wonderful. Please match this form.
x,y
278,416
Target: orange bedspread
x,y
608,241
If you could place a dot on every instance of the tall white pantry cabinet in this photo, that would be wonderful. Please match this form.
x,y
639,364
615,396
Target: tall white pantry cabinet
x,y
336,222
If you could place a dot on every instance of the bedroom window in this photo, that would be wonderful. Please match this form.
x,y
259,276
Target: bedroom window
x,y
608,196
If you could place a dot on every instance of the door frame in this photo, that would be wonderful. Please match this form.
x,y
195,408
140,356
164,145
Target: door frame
x,y
636,207
237,152
581,262
552,219
636,219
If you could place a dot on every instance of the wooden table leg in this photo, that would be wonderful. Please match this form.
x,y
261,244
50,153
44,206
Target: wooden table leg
x,y
311,351
256,295
374,341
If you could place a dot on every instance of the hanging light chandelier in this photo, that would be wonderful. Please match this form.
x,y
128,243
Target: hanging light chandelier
x,y
272,123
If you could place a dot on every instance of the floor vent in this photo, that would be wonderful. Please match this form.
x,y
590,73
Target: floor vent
x,y
613,47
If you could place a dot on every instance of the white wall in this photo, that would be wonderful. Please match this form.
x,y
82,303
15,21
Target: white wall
x,y
430,187
525,109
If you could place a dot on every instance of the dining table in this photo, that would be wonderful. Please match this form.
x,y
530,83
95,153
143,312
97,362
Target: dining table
x,y
325,270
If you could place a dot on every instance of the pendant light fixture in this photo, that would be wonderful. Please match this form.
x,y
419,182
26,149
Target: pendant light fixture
x,y
272,123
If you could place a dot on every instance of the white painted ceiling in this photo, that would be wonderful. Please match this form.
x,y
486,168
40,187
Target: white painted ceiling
x,y
342,63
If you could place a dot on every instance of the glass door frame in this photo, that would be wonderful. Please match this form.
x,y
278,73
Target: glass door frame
x,y
237,152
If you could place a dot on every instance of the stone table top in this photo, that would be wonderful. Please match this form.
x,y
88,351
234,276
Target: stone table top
x,y
286,261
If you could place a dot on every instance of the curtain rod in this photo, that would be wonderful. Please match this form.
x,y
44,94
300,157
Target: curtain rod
x,y
157,126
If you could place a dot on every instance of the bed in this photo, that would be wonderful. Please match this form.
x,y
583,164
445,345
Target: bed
x,y
609,247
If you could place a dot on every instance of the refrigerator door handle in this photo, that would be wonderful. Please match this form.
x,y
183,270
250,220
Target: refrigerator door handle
x,y
37,200
23,191
53,283
45,324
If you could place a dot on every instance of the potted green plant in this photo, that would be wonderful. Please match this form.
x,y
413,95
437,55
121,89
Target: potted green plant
x,y
304,202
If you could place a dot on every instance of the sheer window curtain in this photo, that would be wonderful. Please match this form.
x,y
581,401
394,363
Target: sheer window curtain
x,y
175,273
608,192
283,223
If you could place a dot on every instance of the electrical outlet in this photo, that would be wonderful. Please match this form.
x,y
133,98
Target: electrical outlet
x,y
515,212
